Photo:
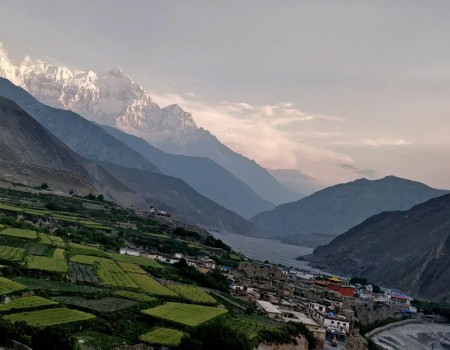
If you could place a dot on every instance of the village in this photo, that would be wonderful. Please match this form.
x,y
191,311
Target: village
x,y
325,305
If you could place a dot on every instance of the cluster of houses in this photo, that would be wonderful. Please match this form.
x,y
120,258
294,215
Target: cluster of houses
x,y
324,305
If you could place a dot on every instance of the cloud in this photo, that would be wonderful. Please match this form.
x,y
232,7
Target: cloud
x,y
385,142
347,167
4,53
368,172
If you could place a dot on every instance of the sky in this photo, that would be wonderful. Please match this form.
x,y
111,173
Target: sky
x,y
335,89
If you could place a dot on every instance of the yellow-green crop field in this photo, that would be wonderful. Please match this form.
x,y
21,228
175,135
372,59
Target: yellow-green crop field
x,y
10,253
46,264
112,274
186,314
150,286
135,260
26,303
89,259
134,296
20,233
133,268
51,240
194,294
50,317
58,253
163,336
82,246
7,286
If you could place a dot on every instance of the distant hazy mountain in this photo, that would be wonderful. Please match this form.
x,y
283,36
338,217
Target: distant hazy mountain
x,y
205,176
408,250
184,200
30,154
94,143
336,209
114,99
296,181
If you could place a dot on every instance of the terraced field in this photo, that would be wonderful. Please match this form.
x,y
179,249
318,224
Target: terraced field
x,y
132,268
11,253
163,337
59,253
109,304
90,259
135,296
50,317
186,314
46,264
150,286
194,294
20,233
135,260
56,286
112,274
8,286
26,303
82,273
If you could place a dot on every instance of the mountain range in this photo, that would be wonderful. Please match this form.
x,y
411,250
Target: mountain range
x,y
114,99
92,142
408,250
316,219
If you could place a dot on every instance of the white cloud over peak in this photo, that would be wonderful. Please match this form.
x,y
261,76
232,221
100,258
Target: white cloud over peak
x,y
385,142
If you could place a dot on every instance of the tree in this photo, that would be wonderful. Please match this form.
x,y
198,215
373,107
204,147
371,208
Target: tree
x,y
44,186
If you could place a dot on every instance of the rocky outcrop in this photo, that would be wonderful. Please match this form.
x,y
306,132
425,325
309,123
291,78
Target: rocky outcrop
x,y
302,344
367,313
355,342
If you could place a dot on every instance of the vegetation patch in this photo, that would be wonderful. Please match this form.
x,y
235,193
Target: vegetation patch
x,y
26,303
163,336
55,286
144,298
82,273
194,294
37,249
46,264
49,317
11,253
150,286
186,314
133,268
82,246
59,253
135,260
111,273
20,233
7,286
109,304
90,259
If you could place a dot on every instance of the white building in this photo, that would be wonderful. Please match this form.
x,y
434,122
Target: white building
x,y
271,310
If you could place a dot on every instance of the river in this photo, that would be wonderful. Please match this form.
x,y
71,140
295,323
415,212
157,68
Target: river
x,y
267,249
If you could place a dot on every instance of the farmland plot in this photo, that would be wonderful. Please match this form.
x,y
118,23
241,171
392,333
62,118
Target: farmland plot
x,y
82,246
144,298
49,317
56,286
44,239
163,336
59,253
7,286
37,249
82,273
112,274
194,294
186,314
133,268
109,304
11,253
89,259
20,233
135,260
150,286
46,264
26,303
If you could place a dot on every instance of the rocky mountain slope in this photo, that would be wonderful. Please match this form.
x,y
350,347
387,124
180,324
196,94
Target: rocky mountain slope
x,y
336,209
114,99
205,176
94,143
30,154
408,250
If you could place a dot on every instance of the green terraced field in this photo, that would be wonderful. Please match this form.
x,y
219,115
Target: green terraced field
x,y
111,273
46,264
26,303
150,286
194,294
109,304
133,268
7,286
163,336
10,253
82,246
59,253
90,259
20,233
135,260
56,286
135,296
186,314
50,317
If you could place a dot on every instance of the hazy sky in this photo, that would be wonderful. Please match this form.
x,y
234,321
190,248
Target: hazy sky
x,y
336,89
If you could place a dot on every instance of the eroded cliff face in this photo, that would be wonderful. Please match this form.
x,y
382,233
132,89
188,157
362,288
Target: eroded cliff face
x,y
367,313
302,344
355,342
